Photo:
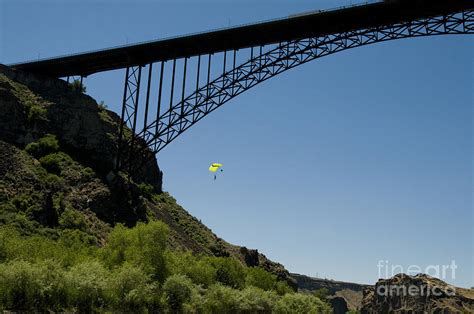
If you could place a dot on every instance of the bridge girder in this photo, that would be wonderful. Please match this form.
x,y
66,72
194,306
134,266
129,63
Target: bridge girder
x,y
279,58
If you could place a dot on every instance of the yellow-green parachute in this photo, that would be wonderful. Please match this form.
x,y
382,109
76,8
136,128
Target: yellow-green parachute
x,y
214,167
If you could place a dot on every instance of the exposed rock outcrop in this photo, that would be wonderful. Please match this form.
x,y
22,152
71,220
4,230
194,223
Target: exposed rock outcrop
x,y
33,106
416,294
338,304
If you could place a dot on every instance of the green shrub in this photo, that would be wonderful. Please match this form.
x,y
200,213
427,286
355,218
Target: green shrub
x,y
19,285
221,299
143,245
55,162
77,86
321,293
32,206
229,271
260,278
301,303
132,289
27,202
77,240
63,270
72,219
8,235
45,145
53,181
73,246
282,288
177,290
146,190
27,286
88,286
253,300
36,112
195,268
87,173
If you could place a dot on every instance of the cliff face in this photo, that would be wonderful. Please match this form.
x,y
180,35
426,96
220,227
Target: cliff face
x,y
32,106
416,294
39,193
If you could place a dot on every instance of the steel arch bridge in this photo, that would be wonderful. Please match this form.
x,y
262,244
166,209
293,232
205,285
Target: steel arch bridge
x,y
267,50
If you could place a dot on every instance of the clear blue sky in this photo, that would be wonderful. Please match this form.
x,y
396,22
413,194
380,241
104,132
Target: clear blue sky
x,y
362,156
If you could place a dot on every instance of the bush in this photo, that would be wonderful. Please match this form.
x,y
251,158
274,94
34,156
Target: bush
x,y
229,271
72,219
54,163
77,86
63,270
301,303
260,278
19,285
195,268
87,173
221,299
177,290
36,112
282,288
253,300
27,286
321,293
132,289
143,245
146,190
88,286
45,145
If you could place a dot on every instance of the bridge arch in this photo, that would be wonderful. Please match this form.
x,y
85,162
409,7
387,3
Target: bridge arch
x,y
282,57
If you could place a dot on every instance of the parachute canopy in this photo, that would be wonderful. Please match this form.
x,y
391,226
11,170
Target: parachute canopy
x,y
214,167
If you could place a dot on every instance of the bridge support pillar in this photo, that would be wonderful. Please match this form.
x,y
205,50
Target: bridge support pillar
x,y
131,95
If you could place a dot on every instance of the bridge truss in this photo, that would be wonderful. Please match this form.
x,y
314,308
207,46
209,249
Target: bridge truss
x,y
237,71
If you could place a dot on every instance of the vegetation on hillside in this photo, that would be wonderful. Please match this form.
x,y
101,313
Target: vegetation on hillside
x,y
56,257
134,271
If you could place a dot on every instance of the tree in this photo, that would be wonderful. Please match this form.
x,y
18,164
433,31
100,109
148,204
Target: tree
x,y
177,290
260,278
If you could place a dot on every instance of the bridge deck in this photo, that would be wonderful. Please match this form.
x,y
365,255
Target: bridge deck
x,y
293,27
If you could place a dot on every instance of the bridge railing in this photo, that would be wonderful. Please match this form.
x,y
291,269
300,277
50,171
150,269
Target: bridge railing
x,y
358,4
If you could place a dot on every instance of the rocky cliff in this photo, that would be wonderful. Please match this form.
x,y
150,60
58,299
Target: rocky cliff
x,y
416,294
38,192
33,106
